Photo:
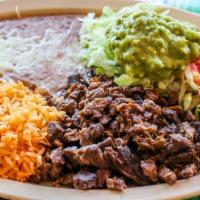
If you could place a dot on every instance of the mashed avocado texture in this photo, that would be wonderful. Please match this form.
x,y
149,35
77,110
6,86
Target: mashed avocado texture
x,y
138,45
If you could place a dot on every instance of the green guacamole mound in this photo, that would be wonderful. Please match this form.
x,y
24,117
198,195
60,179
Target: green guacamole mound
x,y
144,46
147,44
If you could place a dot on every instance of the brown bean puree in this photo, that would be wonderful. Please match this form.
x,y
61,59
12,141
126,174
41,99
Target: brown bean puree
x,y
42,50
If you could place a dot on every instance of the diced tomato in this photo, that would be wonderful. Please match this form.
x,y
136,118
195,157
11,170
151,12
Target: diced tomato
x,y
194,66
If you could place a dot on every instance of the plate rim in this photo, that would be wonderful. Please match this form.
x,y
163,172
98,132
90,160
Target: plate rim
x,y
8,10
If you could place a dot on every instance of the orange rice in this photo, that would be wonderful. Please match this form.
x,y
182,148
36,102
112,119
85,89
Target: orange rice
x,y
24,116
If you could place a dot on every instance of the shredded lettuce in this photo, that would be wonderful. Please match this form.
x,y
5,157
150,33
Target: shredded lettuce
x,y
125,80
187,101
182,90
197,112
92,37
98,58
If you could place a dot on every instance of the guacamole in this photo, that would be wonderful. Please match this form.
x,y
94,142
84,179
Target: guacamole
x,y
148,44
139,45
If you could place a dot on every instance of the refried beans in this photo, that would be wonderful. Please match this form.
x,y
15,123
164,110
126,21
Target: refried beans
x,y
42,50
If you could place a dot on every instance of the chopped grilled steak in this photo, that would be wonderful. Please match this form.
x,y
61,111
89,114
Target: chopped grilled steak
x,y
123,132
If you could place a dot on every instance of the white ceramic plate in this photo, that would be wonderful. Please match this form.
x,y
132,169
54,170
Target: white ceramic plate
x,y
15,190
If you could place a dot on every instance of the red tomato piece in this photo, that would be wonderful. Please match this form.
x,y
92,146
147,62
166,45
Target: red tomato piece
x,y
195,69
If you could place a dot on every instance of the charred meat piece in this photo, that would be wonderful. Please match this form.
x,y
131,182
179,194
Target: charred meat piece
x,y
188,171
94,132
102,176
189,116
143,128
166,175
68,105
57,143
70,153
177,143
55,131
91,155
187,130
70,136
57,157
85,180
66,180
152,95
121,161
196,125
181,158
110,134
170,115
115,184
98,104
74,78
95,93
149,169
50,171
107,142
84,137
88,75
151,106
35,178
167,130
